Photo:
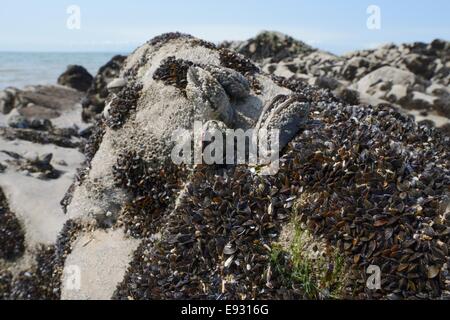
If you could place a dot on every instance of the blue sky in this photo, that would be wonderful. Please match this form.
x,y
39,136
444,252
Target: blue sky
x,y
336,26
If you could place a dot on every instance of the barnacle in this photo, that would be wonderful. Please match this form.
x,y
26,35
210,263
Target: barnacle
x,y
234,83
208,96
288,114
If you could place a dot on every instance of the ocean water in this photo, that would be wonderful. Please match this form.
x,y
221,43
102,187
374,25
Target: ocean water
x,y
18,69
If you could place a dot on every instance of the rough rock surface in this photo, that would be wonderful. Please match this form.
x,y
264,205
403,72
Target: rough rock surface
x,y
101,258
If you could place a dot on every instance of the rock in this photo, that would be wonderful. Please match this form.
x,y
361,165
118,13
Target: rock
x,y
116,84
398,94
327,83
348,95
445,129
415,66
38,167
288,114
385,76
442,106
420,65
94,102
234,83
208,97
16,120
352,68
195,94
76,77
42,103
439,44
6,102
274,46
438,90
61,138
41,124
421,100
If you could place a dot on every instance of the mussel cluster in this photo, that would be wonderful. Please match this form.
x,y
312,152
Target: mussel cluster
x,y
376,186
369,180
11,233
173,72
122,104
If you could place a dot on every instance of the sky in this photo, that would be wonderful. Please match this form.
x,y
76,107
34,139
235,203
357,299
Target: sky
x,y
120,26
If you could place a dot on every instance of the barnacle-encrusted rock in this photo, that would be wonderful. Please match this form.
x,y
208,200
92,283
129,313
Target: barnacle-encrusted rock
x,y
234,83
171,84
270,45
288,114
175,82
208,96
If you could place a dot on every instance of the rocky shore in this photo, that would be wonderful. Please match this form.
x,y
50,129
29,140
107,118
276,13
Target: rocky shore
x,y
414,77
88,189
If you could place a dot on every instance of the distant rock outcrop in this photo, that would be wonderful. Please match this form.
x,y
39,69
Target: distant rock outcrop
x,y
271,47
426,94
76,77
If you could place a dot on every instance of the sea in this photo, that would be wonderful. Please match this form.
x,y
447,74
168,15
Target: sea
x,y
19,69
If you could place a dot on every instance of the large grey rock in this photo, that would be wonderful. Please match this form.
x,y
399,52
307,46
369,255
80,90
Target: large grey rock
x,y
45,102
219,87
386,76
203,88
